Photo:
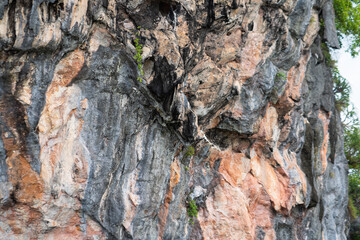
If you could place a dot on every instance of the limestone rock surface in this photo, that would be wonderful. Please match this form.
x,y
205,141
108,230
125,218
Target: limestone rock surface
x,y
235,113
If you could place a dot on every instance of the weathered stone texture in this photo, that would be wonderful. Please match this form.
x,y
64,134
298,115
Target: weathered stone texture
x,y
89,152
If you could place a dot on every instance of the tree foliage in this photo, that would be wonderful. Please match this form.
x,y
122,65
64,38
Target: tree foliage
x,y
349,118
342,91
352,146
354,191
347,20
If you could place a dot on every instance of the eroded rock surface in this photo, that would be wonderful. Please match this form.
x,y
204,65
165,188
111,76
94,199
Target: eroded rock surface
x,y
235,111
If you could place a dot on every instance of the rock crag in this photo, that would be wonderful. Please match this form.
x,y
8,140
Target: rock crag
x,y
235,113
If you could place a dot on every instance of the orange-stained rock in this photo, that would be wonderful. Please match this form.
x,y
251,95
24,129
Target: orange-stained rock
x,y
233,167
27,186
299,179
174,180
325,118
294,82
21,220
278,189
132,200
256,187
313,28
54,136
64,167
222,218
269,127
259,204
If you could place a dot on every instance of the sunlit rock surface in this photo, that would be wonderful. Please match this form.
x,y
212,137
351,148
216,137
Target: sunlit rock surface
x,y
235,111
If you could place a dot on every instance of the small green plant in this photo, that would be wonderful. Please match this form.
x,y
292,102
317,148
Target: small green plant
x,y
327,56
190,152
138,56
352,209
192,211
279,85
280,76
312,19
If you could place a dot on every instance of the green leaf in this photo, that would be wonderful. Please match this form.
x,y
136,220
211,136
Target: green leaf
x,y
347,20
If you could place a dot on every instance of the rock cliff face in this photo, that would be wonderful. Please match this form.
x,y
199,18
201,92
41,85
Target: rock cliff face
x,y
235,112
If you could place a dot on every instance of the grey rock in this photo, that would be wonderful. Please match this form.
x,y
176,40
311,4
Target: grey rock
x,y
111,93
300,17
330,33
253,96
5,186
3,4
330,196
284,228
288,53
